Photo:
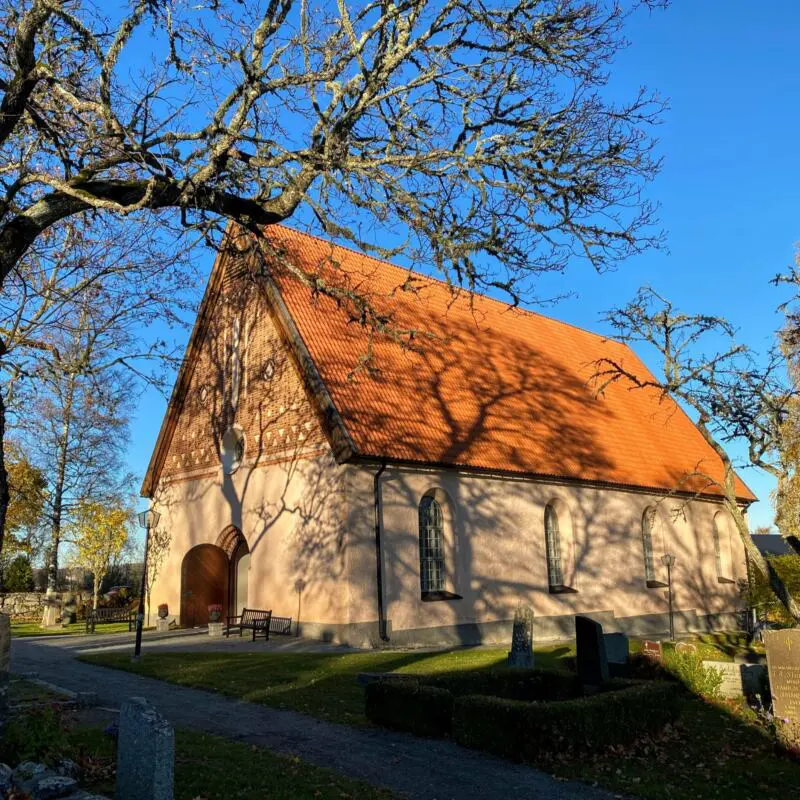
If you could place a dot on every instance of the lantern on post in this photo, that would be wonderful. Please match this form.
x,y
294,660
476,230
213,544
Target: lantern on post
x,y
668,560
147,520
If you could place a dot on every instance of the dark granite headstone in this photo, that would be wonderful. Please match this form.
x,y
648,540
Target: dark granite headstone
x,y
592,660
145,753
521,653
783,665
617,646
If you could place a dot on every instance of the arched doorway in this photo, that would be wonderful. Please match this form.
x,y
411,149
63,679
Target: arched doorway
x,y
232,541
240,566
204,582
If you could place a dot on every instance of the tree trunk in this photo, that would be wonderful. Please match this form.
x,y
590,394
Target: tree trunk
x,y
58,503
4,493
756,558
95,594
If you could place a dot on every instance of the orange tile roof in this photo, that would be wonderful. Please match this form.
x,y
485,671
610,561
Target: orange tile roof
x,y
498,389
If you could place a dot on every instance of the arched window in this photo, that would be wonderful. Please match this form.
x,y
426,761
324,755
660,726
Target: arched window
x,y
431,545
717,547
552,536
648,521
722,549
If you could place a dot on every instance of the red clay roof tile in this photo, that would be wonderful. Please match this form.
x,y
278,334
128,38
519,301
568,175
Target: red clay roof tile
x,y
497,389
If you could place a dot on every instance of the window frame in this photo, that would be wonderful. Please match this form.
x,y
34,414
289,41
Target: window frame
x,y
717,534
553,550
435,547
648,536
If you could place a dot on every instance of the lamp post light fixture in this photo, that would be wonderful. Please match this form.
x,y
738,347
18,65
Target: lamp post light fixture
x,y
147,520
668,560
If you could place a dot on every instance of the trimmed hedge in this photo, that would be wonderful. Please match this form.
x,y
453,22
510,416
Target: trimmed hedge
x,y
512,684
533,731
408,706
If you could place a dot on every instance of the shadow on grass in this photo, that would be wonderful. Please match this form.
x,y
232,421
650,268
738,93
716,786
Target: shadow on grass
x,y
716,750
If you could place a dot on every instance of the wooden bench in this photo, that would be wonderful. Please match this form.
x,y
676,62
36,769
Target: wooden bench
x,y
281,626
106,616
254,619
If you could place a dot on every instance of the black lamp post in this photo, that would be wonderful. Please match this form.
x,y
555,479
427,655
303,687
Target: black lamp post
x,y
147,519
668,560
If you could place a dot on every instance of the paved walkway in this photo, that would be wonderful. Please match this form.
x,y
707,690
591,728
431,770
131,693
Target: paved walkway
x,y
420,768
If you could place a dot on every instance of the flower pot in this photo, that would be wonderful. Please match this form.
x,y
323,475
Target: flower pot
x,y
163,611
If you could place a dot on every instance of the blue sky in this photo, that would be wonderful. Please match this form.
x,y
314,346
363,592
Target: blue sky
x,y
728,189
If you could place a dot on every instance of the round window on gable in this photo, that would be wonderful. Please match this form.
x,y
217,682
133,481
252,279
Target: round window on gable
x,y
232,450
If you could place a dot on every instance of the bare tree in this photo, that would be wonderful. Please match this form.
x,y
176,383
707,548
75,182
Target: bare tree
x,y
472,137
78,307
735,396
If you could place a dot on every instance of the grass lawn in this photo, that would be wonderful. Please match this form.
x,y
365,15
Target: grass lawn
x,y
20,629
715,751
323,684
206,767
212,768
22,691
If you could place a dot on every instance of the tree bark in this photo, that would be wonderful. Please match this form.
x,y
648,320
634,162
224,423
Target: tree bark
x,y
752,553
4,493
58,491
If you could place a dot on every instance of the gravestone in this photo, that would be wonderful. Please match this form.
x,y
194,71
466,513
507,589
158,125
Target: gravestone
x,y
653,651
52,610
521,653
145,753
592,659
783,664
739,680
617,647
5,662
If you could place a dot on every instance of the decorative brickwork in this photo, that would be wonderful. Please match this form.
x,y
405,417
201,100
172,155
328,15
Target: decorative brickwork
x,y
244,378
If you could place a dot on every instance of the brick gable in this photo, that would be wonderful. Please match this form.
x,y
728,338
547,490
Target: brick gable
x,y
274,409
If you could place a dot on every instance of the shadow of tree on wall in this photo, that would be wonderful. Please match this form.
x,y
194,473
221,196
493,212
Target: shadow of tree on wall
x,y
512,396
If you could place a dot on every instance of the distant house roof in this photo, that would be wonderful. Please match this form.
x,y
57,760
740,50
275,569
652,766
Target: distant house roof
x,y
770,544
484,386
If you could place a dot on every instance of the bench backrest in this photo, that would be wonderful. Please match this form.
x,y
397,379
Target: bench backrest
x,y
111,613
254,615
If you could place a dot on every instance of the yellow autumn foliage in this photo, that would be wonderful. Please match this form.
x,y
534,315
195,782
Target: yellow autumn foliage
x,y
98,532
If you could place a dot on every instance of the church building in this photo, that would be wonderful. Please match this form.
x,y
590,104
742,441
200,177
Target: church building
x,y
404,463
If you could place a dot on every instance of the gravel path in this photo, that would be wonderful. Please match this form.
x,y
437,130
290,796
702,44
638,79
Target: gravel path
x,y
419,768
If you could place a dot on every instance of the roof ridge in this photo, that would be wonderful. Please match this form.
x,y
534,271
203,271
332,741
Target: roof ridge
x,y
507,306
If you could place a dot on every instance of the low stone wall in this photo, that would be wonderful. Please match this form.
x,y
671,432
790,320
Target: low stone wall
x,y
22,606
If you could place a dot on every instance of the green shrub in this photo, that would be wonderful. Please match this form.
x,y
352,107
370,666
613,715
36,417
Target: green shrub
x,y
759,594
688,668
407,706
37,735
537,731
512,684
18,576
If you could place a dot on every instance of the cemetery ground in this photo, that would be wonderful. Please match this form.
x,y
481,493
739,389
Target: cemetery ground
x,y
205,766
324,684
716,749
